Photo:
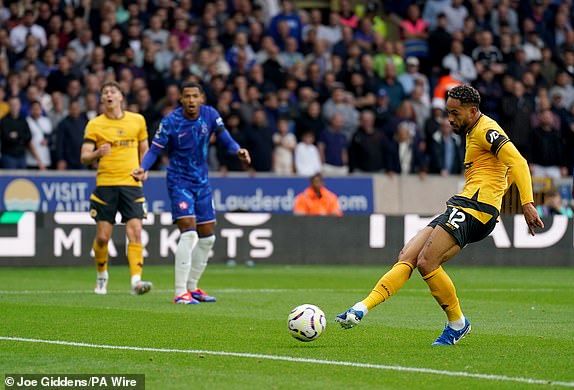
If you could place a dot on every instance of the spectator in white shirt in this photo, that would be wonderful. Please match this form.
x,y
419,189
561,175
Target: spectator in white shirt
x,y
84,46
41,129
455,14
284,143
458,62
307,157
19,33
156,32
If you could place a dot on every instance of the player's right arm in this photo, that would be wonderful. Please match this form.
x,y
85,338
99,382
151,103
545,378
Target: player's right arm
x,y
89,154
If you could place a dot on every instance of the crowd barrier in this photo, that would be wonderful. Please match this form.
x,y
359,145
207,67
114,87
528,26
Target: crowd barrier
x,y
65,238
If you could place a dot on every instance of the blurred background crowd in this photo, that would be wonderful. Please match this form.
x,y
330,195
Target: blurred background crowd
x,y
337,87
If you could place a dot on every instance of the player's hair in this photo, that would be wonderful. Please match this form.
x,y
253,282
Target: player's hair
x,y
467,95
111,83
192,84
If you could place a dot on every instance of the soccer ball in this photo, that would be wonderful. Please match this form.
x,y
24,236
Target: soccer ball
x,y
306,322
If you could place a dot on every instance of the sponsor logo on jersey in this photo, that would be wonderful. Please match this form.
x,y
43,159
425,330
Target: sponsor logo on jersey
x,y
491,136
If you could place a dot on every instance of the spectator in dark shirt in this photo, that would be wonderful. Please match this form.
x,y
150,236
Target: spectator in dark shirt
x,y
310,120
15,138
516,110
439,42
70,137
116,50
546,149
518,66
491,91
341,48
58,79
446,151
229,162
260,141
366,148
333,147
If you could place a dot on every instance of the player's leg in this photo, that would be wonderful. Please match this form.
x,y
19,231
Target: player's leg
x,y
103,208
199,258
187,242
390,282
205,219
135,257
131,205
439,248
103,233
182,200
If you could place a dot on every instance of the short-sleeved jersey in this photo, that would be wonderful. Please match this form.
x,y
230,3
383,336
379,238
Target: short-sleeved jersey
x,y
124,135
187,142
486,170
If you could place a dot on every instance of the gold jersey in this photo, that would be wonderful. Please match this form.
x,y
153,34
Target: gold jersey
x,y
491,164
124,135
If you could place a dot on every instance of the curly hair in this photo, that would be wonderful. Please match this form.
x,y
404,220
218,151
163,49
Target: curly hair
x,y
466,94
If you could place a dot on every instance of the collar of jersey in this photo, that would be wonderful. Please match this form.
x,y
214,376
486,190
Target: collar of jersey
x,y
475,123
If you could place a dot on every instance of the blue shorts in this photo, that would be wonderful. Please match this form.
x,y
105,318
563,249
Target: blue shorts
x,y
192,202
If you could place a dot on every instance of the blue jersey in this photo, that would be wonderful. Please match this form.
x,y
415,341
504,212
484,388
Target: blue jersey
x,y
187,144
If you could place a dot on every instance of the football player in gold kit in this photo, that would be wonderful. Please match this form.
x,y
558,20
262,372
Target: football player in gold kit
x,y
492,163
117,139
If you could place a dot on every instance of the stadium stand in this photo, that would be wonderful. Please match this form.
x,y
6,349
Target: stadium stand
x,y
278,58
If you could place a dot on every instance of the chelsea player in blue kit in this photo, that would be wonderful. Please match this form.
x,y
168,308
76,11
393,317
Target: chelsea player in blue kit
x,y
184,134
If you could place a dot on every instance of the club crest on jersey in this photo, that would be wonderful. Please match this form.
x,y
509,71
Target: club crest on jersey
x,y
204,129
182,205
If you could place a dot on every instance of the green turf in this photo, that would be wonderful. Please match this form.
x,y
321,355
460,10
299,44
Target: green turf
x,y
521,317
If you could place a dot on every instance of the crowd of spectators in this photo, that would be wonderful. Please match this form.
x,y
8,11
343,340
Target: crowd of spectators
x,y
359,88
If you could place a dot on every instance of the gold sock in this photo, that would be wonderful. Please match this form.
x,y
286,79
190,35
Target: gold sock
x,y
101,256
135,258
443,290
389,284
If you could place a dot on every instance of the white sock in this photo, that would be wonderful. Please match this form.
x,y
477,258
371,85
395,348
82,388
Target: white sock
x,y
103,275
136,279
185,246
199,258
360,306
458,324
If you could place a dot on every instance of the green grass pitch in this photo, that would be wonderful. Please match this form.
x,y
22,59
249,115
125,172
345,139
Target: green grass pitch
x,y
522,337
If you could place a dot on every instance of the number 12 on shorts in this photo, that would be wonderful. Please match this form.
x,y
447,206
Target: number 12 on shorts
x,y
456,216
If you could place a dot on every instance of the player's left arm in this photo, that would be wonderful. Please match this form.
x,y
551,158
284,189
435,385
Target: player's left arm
x,y
149,157
506,152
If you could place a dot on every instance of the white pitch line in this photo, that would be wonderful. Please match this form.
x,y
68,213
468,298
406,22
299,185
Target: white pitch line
x,y
301,360
284,290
